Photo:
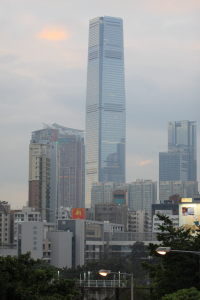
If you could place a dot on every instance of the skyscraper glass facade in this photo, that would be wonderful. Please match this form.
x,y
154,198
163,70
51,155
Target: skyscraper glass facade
x,y
182,137
105,104
180,162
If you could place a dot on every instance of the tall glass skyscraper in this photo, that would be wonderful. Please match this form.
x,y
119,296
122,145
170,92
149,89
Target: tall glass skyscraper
x,y
180,162
105,104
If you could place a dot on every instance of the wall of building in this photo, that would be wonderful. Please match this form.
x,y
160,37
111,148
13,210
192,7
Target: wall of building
x,y
113,213
4,222
61,248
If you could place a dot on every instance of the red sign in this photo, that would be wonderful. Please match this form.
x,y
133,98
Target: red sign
x,y
78,213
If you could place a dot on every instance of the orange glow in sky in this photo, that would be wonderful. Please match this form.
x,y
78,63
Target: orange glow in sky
x,y
56,35
145,162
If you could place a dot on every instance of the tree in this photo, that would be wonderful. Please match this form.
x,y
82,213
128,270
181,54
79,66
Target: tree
x,y
21,280
175,270
185,294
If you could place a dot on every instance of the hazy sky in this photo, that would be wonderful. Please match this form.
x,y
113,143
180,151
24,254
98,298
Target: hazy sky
x,y
43,63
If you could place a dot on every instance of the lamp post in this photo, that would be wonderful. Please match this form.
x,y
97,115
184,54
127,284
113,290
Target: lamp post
x,y
106,272
165,250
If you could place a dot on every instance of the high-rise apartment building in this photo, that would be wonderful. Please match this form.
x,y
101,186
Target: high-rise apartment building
x,y
105,104
142,194
185,189
102,192
67,155
70,171
4,222
49,136
39,179
180,162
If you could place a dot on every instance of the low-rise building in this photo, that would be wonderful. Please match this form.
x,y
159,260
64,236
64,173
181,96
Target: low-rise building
x,y
139,221
157,221
27,214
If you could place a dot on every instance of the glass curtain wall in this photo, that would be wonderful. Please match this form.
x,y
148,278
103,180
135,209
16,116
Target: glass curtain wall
x,y
105,104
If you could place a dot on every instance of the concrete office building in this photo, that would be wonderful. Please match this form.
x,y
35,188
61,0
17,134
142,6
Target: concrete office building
x,y
105,104
43,241
113,213
32,237
61,248
39,179
88,241
142,194
27,214
168,205
4,222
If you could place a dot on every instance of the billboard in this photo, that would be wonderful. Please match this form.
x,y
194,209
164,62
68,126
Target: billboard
x,y
186,199
78,213
189,216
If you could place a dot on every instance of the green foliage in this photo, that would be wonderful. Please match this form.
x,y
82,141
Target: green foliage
x,y
21,280
175,271
114,264
185,294
139,255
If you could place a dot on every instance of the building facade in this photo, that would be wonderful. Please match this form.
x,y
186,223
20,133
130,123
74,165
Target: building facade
x,y
142,194
182,136
169,213
185,189
139,221
4,222
39,179
180,162
49,137
26,214
105,104
112,213
70,171
67,155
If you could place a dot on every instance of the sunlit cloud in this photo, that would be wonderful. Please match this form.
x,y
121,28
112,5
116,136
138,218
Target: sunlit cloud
x,y
145,162
53,34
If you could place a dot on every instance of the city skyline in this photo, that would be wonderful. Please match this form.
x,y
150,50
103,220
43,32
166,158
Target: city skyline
x,y
105,132
43,78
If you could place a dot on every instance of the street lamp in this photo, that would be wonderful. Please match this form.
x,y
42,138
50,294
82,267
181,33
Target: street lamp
x,y
106,272
164,250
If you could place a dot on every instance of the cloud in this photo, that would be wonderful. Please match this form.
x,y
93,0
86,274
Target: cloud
x,y
171,6
145,162
53,34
